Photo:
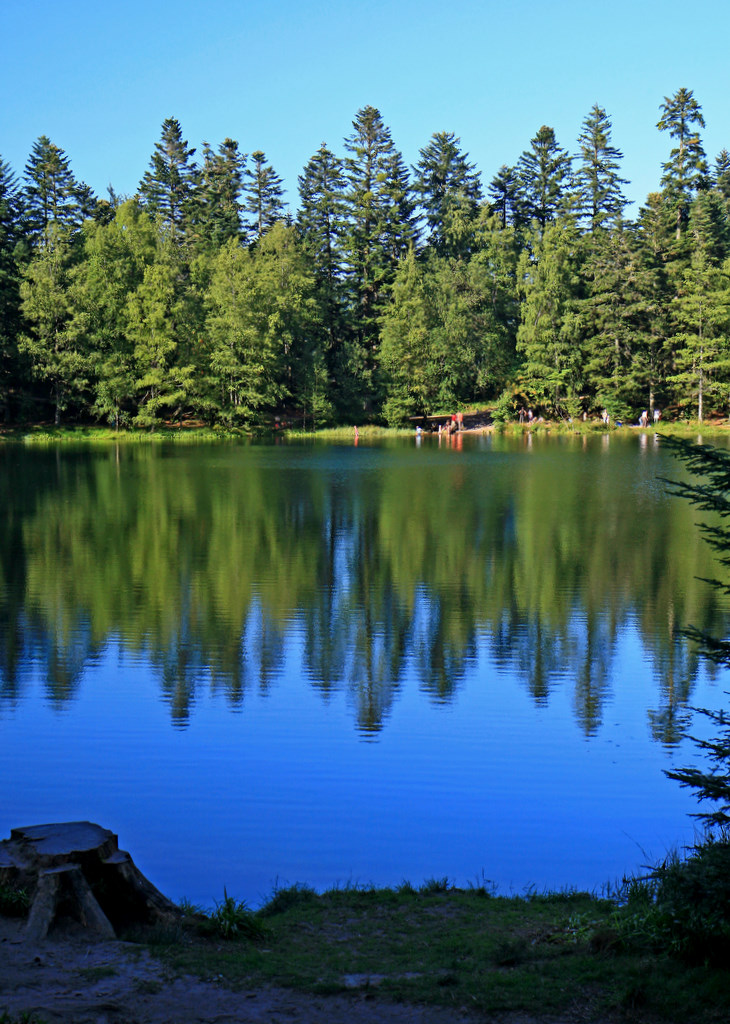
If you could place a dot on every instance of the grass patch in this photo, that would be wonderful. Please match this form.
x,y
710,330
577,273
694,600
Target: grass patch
x,y
14,902
92,974
106,435
365,433
22,1018
546,954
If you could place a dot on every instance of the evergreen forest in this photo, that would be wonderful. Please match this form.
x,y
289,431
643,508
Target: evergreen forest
x,y
389,292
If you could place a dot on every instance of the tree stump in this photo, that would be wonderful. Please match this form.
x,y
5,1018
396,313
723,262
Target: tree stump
x,y
75,869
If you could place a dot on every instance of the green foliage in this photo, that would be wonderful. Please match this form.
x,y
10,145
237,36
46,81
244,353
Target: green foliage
x,y
217,199
52,343
286,897
601,200
543,171
380,230
167,186
442,341
263,196
55,202
232,919
258,304
132,325
14,902
435,885
550,333
686,169
450,193
692,903
25,1017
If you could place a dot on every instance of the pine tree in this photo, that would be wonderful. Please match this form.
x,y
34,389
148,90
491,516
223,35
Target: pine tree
x,y
322,228
407,345
601,200
686,170
264,196
702,326
721,180
442,342
655,272
167,187
55,201
11,236
504,196
380,218
543,172
218,196
495,263
450,192
620,370
549,336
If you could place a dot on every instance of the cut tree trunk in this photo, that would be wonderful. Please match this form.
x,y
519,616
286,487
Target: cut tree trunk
x,y
75,869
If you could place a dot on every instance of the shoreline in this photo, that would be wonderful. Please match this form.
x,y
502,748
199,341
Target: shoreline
x,y
196,434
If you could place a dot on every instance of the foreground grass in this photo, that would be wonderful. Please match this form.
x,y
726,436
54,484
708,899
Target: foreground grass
x,y
542,954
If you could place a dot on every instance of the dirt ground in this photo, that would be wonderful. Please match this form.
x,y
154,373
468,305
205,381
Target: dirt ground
x,y
69,980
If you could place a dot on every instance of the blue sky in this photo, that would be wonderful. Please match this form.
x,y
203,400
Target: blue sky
x,y
99,79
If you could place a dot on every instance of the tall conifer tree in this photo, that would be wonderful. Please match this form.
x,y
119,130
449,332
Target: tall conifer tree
x,y
167,187
218,195
504,194
11,237
380,216
550,332
686,170
449,191
264,196
543,172
54,200
321,224
601,200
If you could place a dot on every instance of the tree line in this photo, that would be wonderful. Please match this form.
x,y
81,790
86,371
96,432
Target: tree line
x,y
391,292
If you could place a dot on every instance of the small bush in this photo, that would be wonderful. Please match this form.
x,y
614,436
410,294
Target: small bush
x,y
232,919
284,898
693,901
189,909
14,902
434,885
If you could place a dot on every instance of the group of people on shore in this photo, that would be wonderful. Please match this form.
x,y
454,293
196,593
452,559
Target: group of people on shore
x,y
644,418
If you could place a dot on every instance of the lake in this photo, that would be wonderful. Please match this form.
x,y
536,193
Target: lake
x,y
260,664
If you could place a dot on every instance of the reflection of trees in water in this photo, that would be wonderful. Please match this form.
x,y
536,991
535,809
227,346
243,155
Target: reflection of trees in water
x,y
208,565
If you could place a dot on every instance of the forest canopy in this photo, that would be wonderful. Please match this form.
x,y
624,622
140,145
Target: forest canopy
x,y
384,292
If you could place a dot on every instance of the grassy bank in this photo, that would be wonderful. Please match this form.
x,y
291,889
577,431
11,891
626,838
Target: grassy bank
x,y
44,434
566,954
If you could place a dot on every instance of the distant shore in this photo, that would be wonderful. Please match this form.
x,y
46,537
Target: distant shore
x,y
195,433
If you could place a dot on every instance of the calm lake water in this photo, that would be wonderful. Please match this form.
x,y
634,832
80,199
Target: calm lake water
x,y
262,664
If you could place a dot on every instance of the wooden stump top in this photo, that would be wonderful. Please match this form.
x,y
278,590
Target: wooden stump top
x,y
78,864
63,841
